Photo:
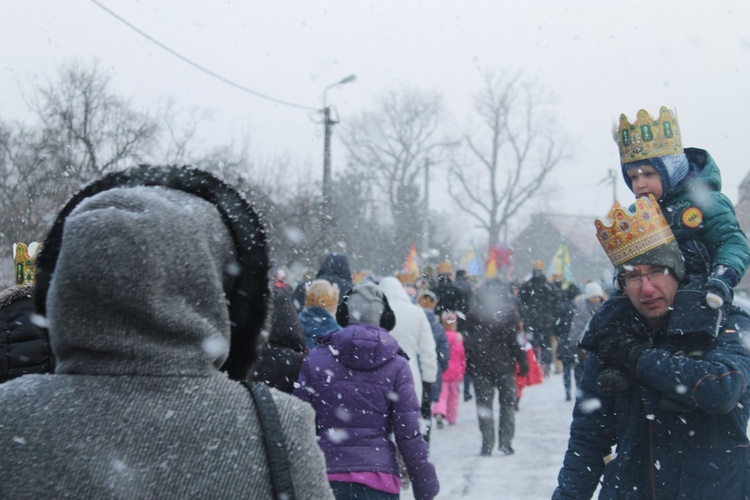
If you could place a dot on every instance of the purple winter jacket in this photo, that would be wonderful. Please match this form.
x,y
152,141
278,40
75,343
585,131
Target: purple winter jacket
x,y
362,390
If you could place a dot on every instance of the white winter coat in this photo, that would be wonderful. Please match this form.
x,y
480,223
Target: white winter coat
x,y
413,333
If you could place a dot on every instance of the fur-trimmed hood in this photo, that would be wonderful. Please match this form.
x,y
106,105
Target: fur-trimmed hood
x,y
11,294
155,254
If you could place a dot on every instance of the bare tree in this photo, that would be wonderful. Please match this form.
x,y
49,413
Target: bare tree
x,y
24,204
510,155
88,131
83,132
180,126
390,147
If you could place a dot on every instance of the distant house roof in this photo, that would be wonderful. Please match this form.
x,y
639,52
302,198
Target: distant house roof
x,y
541,238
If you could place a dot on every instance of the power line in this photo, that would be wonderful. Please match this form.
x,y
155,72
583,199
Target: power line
x,y
198,66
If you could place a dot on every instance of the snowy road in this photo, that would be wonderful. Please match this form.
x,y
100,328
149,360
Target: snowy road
x,y
542,426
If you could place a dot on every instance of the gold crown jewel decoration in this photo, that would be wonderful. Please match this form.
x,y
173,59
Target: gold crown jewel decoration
x,y
24,262
648,137
632,234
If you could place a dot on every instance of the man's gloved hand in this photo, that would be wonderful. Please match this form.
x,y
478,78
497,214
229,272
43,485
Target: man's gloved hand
x,y
622,351
597,335
613,382
719,286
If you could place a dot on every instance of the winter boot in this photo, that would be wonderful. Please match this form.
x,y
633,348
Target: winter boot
x,y
439,420
506,449
487,428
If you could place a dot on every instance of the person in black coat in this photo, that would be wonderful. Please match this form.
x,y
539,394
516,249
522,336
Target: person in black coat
x,y
566,349
24,345
281,359
334,269
492,349
539,297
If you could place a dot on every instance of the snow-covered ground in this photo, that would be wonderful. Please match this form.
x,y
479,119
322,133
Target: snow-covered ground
x,y
542,427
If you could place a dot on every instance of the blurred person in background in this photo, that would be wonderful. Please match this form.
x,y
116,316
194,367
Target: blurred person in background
x,y
538,298
414,336
24,340
317,318
566,345
446,409
362,390
428,301
284,349
493,350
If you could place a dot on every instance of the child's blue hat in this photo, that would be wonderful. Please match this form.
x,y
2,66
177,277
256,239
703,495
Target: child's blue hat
x,y
671,168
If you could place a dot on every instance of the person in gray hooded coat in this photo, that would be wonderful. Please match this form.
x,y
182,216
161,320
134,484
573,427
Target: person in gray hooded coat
x,y
152,280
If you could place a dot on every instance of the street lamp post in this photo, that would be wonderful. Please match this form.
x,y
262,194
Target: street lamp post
x,y
328,124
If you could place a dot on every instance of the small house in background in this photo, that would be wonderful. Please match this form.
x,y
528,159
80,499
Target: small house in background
x,y
743,216
541,238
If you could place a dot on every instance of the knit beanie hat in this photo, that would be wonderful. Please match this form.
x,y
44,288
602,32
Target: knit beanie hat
x,y
593,289
366,304
321,293
666,255
185,256
672,169
427,299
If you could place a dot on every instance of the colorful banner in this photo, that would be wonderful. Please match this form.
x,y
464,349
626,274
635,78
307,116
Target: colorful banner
x,y
498,258
560,265
410,266
471,263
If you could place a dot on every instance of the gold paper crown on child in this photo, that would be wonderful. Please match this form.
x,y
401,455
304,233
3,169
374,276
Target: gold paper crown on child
x,y
648,137
322,293
24,262
632,234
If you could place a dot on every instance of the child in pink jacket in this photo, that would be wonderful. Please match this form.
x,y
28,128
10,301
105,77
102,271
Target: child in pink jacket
x,y
447,406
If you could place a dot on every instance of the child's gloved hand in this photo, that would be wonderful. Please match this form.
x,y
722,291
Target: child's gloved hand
x,y
719,286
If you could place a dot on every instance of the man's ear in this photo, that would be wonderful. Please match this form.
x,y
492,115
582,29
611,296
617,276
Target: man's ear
x,y
617,283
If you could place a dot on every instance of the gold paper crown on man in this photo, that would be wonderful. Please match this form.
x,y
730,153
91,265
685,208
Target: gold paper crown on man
x,y
648,137
640,237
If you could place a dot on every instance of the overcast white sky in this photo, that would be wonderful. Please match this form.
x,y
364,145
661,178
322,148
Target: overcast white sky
x,y
599,58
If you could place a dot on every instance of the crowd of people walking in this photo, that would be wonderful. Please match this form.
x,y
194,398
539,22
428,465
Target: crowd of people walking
x,y
378,360
219,376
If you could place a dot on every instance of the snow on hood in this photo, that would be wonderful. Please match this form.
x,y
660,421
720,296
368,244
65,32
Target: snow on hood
x,y
363,347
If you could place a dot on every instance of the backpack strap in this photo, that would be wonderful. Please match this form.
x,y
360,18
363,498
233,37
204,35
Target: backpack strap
x,y
273,440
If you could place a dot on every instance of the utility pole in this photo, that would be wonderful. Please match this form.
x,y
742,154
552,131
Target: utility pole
x,y
328,124
611,178
426,209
